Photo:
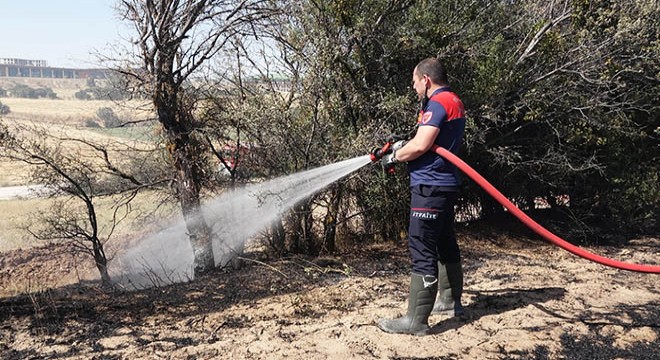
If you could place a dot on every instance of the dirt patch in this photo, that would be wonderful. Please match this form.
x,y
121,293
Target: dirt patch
x,y
524,300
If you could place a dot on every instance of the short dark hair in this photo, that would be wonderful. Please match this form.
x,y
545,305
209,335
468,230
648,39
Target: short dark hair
x,y
434,69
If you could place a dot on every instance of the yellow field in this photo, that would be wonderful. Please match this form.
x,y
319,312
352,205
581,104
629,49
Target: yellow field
x,y
13,174
22,212
69,112
66,109
66,118
16,214
16,173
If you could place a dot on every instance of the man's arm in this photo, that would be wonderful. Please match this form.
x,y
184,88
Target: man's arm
x,y
420,144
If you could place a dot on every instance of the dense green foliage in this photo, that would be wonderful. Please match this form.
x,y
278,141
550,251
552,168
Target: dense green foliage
x,y
561,100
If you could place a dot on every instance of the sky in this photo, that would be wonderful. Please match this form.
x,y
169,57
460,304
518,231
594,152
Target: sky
x,y
65,33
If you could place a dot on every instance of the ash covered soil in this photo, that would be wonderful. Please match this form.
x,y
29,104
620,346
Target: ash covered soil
x,y
524,298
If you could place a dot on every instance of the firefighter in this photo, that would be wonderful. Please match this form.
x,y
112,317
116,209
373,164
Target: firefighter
x,y
434,185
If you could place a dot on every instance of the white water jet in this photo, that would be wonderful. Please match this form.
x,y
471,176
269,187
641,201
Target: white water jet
x,y
234,217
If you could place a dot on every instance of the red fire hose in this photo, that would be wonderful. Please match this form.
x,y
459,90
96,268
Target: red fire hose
x,y
543,232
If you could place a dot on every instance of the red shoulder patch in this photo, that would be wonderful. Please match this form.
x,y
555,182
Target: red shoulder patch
x,y
426,117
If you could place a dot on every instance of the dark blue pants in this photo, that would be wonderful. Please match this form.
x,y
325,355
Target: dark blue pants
x,y
431,235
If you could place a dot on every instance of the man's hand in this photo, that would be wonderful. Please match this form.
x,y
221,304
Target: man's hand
x,y
399,144
390,159
388,163
378,153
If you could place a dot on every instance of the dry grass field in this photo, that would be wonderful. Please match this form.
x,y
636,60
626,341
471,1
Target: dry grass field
x,y
17,214
64,117
13,174
57,111
66,109
23,212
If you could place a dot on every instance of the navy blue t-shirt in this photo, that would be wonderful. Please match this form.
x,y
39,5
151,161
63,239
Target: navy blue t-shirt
x,y
446,112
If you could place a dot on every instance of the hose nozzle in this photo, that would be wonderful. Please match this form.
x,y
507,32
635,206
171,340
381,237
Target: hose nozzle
x,y
378,153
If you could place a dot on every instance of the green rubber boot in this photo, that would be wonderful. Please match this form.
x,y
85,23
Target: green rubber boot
x,y
450,289
420,303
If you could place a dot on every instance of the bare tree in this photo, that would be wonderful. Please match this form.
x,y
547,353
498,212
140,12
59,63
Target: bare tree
x,y
175,39
78,174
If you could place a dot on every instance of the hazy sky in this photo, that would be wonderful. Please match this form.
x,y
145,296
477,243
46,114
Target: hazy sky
x,y
62,32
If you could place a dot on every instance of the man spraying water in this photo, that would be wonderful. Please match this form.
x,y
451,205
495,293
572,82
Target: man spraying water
x,y
434,185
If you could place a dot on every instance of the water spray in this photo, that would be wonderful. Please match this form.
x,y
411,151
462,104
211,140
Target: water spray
x,y
234,217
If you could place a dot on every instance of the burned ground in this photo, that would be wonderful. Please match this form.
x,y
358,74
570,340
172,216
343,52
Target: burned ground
x,y
525,299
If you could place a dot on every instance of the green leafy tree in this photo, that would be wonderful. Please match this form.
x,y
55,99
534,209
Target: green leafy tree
x,y
23,91
356,75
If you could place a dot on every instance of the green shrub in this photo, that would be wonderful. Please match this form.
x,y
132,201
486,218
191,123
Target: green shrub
x,y
82,95
24,91
4,109
91,123
107,115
